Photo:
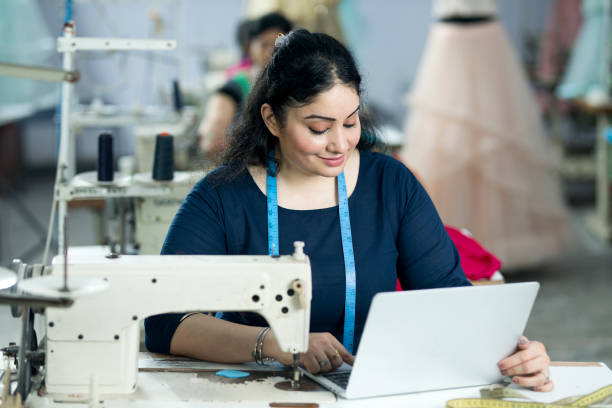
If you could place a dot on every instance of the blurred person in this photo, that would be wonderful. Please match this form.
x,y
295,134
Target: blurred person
x,y
224,105
243,39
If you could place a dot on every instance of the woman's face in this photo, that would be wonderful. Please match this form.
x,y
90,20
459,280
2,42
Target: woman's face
x,y
262,47
318,138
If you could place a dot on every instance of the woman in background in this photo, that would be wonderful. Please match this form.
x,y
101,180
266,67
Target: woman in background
x,y
227,101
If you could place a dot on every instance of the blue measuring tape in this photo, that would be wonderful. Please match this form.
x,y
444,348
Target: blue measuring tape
x,y
347,247
273,242
349,265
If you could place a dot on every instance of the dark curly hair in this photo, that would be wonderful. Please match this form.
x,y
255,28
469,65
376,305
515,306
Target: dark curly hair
x,y
268,21
305,65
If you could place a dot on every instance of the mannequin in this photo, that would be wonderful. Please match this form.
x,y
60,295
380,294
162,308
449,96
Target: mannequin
x,y
448,9
475,139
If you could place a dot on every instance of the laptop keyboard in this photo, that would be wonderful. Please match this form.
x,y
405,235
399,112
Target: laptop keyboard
x,y
340,378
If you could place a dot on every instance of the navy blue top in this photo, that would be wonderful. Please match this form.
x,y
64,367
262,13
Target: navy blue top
x,y
396,230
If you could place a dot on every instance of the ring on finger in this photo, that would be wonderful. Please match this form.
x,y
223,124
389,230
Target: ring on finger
x,y
336,354
546,375
323,363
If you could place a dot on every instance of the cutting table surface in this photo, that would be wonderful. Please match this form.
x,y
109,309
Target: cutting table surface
x,y
175,382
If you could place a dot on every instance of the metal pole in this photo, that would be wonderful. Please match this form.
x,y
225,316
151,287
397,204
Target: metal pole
x,y
64,168
65,288
37,73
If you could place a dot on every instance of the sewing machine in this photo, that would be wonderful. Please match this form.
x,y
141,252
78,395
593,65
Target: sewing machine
x,y
98,337
144,285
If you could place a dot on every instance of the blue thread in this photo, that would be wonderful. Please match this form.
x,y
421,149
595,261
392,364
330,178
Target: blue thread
x,y
232,374
68,11
349,265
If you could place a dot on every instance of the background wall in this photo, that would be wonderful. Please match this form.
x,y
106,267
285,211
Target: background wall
x,y
390,39
572,313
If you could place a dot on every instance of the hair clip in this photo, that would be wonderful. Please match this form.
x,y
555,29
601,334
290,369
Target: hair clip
x,y
281,40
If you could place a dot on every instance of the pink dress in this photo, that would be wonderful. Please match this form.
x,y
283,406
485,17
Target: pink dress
x,y
475,140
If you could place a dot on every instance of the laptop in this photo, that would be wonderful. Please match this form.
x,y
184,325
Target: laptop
x,y
434,339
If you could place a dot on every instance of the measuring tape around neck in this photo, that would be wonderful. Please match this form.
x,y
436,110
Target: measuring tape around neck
x,y
349,265
347,246
272,207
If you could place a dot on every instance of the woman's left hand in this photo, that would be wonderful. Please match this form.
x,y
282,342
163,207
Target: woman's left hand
x,y
529,366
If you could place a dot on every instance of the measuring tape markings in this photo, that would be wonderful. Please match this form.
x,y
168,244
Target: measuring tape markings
x,y
272,208
593,397
496,403
502,392
349,265
347,246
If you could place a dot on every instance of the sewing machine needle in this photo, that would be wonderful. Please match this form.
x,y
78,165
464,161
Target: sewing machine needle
x,y
295,381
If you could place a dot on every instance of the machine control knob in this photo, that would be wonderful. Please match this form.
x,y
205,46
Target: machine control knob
x,y
298,287
298,250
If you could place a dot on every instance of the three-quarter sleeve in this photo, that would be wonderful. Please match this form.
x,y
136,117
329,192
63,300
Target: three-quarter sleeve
x,y
427,256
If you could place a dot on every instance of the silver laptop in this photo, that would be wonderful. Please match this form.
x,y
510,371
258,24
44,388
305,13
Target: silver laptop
x,y
426,340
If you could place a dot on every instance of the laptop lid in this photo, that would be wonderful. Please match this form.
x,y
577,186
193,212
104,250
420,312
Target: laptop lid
x,y
424,340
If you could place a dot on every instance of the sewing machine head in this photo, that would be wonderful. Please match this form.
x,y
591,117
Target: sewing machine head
x,y
99,335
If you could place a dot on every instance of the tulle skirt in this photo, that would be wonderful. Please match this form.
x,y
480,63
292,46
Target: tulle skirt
x,y
475,140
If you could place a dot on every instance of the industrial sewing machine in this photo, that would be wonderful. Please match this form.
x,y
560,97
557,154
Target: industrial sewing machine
x,y
98,336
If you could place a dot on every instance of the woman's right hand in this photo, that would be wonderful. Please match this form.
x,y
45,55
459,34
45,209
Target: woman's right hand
x,y
325,353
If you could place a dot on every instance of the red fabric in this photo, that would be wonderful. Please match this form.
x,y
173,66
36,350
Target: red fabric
x,y
477,262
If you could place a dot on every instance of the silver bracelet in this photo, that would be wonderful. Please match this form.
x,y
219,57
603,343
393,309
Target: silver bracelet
x,y
254,353
186,315
261,359
258,349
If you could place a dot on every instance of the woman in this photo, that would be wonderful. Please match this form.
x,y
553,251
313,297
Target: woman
x,y
229,99
301,138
